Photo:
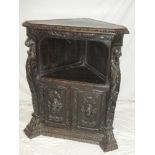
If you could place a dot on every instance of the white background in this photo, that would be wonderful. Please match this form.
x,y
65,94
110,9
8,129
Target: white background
x,y
119,12
145,76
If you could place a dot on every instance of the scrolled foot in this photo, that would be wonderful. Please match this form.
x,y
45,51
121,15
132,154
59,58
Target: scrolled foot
x,y
32,129
108,142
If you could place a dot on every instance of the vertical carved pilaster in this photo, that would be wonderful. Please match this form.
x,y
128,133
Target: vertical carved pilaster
x,y
31,71
109,143
31,74
115,78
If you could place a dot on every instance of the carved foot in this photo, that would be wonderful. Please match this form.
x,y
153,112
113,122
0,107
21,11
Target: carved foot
x,y
108,142
33,128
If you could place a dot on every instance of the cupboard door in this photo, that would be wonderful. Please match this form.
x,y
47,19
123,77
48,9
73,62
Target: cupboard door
x,y
55,101
88,109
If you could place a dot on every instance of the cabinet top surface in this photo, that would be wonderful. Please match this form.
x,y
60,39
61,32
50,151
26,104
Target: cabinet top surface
x,y
76,25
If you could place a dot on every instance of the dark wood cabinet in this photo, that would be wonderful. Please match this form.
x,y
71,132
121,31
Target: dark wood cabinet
x,y
74,77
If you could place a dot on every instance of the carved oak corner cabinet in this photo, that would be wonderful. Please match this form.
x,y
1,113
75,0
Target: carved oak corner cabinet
x,y
74,77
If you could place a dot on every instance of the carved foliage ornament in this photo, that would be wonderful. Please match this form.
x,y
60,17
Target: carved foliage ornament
x,y
55,105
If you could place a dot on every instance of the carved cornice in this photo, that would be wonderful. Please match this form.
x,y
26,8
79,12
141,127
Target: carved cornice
x,y
41,34
72,29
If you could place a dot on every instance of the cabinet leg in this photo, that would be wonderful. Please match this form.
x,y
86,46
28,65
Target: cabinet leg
x,y
33,128
108,142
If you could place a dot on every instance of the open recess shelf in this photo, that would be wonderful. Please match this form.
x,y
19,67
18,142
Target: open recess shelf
x,y
76,60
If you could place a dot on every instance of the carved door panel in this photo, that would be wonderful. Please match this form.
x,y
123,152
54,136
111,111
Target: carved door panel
x,y
56,106
88,109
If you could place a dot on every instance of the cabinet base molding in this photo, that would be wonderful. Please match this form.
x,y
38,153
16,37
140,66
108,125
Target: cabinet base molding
x,y
105,140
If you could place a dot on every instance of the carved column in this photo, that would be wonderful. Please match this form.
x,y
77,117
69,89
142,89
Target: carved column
x,y
115,78
109,142
31,74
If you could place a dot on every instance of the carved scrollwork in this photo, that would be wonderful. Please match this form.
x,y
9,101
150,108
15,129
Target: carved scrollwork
x,y
31,71
115,78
